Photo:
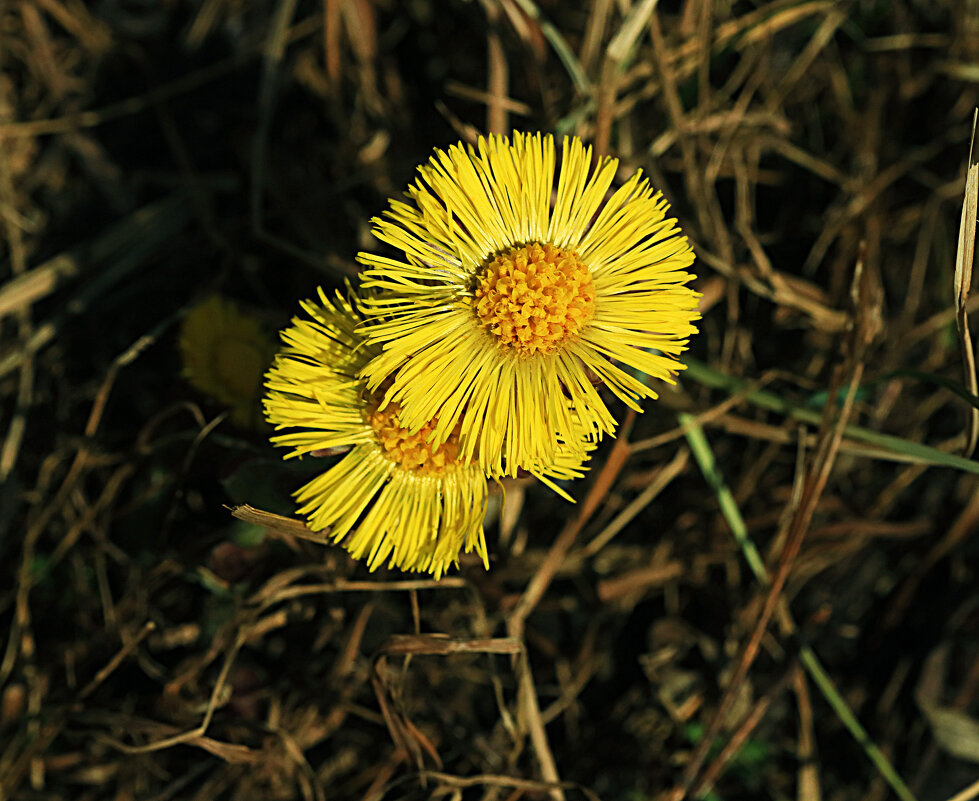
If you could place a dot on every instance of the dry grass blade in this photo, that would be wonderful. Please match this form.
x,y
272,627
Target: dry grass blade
x,y
594,32
279,525
507,104
37,283
406,736
638,581
807,778
117,660
619,53
17,427
196,736
970,792
963,282
498,74
443,645
489,780
660,482
231,753
531,721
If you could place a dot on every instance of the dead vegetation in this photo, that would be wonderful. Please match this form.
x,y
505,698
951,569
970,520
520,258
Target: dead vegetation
x,y
767,587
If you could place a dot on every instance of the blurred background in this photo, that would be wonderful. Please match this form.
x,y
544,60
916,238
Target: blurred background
x,y
767,587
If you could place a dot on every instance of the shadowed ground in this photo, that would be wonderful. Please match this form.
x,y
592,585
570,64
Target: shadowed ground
x,y
767,586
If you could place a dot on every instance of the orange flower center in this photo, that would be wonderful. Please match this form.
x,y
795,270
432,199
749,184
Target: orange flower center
x,y
535,297
409,449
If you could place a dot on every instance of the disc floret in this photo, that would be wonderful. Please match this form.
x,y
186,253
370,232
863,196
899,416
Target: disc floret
x,y
534,298
411,450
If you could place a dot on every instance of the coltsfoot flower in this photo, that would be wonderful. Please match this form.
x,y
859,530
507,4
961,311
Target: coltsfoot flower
x,y
510,293
397,496
225,354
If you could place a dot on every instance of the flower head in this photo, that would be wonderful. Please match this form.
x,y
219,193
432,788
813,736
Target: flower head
x,y
225,353
504,302
394,496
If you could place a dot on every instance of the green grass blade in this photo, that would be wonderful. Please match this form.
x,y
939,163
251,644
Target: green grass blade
x,y
729,507
939,380
911,451
560,45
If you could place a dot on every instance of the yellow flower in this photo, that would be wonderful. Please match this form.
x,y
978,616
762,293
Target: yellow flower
x,y
394,497
505,303
225,354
